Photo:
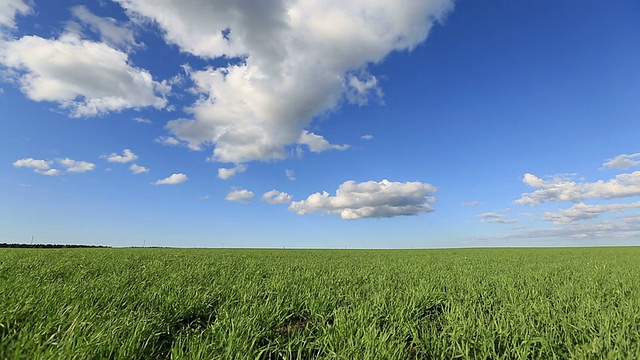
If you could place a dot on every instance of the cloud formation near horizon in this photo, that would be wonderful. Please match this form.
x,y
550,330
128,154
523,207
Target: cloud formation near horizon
x,y
370,199
560,189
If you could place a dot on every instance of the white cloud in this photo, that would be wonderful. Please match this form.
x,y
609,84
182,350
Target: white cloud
x,y
472,203
75,166
582,211
623,161
370,199
560,189
290,174
627,227
167,140
502,221
85,77
43,167
119,36
288,62
366,137
242,196
50,172
142,120
276,197
317,143
137,169
127,156
9,9
360,89
224,173
33,163
495,218
174,179
490,215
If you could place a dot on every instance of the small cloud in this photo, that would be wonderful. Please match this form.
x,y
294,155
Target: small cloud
x,y
50,172
167,140
490,215
174,179
242,196
623,161
496,218
127,156
137,169
224,173
317,143
290,174
366,137
75,166
204,197
362,87
142,120
472,203
43,167
502,221
33,163
276,197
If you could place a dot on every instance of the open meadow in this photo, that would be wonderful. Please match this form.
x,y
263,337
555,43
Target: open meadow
x,y
326,304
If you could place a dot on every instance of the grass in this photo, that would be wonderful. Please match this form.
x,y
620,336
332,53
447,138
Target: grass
x,y
328,304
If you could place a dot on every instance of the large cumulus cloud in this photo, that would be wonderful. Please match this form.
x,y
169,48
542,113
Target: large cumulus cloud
x,y
288,62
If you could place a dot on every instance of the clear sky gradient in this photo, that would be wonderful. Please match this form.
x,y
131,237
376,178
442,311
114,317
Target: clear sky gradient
x,y
359,124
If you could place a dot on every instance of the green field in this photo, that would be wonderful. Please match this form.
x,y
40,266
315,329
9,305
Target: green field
x,y
327,304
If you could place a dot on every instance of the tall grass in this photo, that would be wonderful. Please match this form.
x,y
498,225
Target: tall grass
x,y
328,304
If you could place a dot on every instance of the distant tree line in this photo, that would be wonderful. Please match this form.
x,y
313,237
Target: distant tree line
x,y
49,246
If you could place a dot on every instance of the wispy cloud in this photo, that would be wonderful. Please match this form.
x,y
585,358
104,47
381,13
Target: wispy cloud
x,y
582,211
142,120
472,203
290,174
495,218
111,32
167,140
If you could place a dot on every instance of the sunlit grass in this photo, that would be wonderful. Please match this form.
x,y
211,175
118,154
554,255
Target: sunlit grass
x,y
224,303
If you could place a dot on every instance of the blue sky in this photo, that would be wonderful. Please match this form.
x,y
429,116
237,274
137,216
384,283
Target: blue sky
x,y
320,124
